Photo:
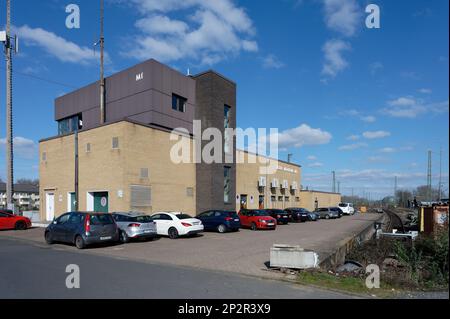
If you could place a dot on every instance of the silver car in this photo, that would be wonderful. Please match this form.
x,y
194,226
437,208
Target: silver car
x,y
135,225
327,213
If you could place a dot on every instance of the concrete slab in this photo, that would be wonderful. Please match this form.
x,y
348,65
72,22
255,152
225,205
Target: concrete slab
x,y
245,252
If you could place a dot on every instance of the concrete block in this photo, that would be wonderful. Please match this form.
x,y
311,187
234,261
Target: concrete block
x,y
294,257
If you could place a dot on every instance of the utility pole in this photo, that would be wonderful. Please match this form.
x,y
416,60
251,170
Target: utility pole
x,y
395,190
339,187
102,60
440,174
429,181
334,182
77,192
11,45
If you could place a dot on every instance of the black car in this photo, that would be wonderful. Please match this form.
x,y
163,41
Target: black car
x,y
338,210
297,214
280,215
82,229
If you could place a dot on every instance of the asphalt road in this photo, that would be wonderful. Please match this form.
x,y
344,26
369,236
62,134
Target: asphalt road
x,y
33,271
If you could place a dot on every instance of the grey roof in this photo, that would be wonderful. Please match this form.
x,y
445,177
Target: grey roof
x,y
21,188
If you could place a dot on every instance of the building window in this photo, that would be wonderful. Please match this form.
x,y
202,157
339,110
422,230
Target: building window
x,y
178,103
190,192
226,184
141,196
226,125
88,147
287,199
280,198
297,199
70,124
273,198
44,156
115,142
144,172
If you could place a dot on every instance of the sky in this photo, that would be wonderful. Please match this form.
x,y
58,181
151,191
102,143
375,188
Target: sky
x,y
365,103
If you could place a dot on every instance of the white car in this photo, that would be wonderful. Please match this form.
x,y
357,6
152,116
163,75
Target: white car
x,y
347,208
176,224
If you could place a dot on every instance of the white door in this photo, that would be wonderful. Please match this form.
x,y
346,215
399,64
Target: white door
x,y
50,206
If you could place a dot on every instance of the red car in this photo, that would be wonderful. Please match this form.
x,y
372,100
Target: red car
x,y
10,221
257,219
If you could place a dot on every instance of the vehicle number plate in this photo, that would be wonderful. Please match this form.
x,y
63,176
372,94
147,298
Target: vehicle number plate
x,y
236,220
270,224
148,231
105,238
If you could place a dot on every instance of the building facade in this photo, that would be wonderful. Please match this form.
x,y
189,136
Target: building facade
x,y
26,196
127,164
311,199
259,187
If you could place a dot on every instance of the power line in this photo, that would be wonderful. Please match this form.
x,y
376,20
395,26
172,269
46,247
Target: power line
x,y
43,79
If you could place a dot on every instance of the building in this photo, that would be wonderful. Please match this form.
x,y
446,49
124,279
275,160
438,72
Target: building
x,y
311,199
258,188
126,162
25,196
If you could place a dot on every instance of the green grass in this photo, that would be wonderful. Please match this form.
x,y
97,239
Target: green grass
x,y
349,284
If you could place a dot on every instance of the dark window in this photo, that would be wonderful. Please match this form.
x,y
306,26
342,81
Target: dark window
x,y
227,184
142,219
70,124
178,103
183,216
165,217
101,219
63,219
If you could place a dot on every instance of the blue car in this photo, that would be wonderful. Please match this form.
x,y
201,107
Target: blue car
x,y
220,220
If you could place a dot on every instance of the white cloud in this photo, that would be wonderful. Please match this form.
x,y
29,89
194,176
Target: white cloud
x,y
394,149
409,107
376,67
368,119
23,147
352,147
334,60
376,159
425,91
210,32
376,134
311,158
272,62
342,16
315,165
56,46
301,136
388,150
353,137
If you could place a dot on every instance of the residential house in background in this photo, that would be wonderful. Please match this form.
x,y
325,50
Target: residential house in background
x,y
26,196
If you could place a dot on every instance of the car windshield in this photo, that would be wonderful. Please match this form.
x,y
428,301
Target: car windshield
x,y
183,216
277,211
101,219
232,214
142,219
342,205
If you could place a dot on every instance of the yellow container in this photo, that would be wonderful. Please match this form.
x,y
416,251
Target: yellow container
x,y
363,209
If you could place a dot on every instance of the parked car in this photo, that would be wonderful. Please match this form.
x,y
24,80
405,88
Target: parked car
x,y
10,221
298,214
313,217
280,215
135,225
327,213
257,219
220,220
176,224
347,208
82,229
338,210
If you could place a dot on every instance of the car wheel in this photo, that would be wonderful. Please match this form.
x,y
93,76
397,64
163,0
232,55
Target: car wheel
x,y
222,228
327,217
48,238
124,237
20,225
253,227
173,233
79,242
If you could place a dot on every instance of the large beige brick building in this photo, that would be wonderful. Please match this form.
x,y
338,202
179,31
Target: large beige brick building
x,y
125,162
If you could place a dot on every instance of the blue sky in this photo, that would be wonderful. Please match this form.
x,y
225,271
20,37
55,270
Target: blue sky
x,y
367,103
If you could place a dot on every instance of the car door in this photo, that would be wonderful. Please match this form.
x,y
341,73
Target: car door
x,y
6,221
72,227
206,219
58,229
243,215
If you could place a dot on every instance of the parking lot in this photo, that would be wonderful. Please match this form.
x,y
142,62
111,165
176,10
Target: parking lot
x,y
245,252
